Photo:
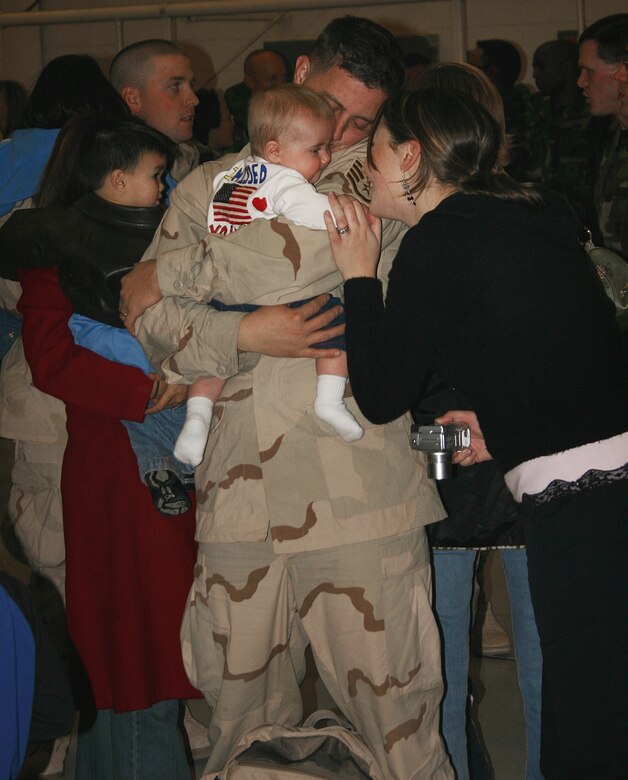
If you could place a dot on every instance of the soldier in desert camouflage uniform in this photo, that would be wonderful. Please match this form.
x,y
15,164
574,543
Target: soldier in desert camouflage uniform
x,y
303,538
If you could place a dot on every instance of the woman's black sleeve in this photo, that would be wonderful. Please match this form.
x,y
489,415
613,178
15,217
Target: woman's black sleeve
x,y
389,348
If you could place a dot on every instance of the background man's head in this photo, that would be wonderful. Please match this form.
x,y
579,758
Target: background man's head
x,y
416,64
600,56
355,65
555,67
156,82
264,69
500,60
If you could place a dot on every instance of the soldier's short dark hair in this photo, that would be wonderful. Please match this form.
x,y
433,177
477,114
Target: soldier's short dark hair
x,y
367,51
131,65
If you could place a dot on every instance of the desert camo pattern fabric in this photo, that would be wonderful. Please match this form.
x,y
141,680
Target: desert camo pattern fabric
x,y
291,519
36,422
252,611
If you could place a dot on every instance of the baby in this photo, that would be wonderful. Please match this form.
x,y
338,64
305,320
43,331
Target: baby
x,y
290,130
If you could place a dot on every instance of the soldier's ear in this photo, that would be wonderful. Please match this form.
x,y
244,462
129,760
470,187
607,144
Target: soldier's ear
x,y
302,69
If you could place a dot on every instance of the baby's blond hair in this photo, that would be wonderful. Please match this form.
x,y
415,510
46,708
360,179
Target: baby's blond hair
x,y
272,113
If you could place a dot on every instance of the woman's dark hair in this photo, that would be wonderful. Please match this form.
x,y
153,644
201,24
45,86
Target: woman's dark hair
x,y
460,143
473,82
88,148
16,98
70,85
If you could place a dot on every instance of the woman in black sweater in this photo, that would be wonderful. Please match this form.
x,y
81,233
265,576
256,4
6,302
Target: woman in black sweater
x,y
491,291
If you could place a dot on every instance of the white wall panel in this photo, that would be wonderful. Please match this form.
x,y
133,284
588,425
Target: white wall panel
x,y
218,45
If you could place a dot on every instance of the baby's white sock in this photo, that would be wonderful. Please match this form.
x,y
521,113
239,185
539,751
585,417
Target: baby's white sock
x,y
190,445
329,405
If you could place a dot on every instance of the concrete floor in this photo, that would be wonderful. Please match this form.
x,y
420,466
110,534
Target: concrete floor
x,y
498,702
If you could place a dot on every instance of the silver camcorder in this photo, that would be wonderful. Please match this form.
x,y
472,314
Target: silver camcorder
x,y
439,442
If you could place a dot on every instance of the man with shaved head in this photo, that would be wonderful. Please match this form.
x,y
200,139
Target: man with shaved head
x,y
155,79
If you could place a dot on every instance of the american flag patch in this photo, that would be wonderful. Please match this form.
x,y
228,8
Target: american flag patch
x,y
230,204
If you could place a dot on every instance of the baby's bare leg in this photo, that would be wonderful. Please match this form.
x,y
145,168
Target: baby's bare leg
x,y
202,395
329,404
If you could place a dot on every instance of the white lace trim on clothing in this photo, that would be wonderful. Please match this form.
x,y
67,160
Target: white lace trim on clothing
x,y
533,476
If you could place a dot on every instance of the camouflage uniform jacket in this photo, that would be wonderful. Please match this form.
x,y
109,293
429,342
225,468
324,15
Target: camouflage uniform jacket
x,y
271,467
611,193
564,144
26,414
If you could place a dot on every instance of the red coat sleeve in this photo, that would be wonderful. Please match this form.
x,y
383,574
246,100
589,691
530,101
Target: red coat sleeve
x,y
73,374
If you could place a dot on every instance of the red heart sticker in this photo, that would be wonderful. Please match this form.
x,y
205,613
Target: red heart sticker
x,y
259,204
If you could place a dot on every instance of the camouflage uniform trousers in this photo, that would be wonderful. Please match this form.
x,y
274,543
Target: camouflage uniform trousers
x,y
35,510
365,610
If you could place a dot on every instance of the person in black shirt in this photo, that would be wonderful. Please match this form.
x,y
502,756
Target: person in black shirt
x,y
491,291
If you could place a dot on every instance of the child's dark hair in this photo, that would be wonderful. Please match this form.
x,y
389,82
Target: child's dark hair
x,y
88,148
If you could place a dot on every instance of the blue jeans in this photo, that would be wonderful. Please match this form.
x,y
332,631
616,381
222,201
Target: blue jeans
x,y
139,745
153,442
453,589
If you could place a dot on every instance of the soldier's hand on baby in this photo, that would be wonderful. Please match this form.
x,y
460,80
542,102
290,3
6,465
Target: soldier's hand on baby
x,y
280,331
139,291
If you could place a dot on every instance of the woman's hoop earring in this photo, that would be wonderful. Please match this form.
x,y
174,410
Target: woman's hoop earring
x,y
406,189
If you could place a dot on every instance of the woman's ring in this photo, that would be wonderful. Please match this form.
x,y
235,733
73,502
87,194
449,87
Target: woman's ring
x,y
343,230
124,314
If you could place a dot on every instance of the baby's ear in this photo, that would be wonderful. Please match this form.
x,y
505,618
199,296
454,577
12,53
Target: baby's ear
x,y
272,151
